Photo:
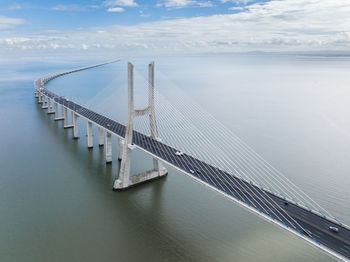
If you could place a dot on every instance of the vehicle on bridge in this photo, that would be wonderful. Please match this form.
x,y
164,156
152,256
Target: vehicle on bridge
x,y
334,229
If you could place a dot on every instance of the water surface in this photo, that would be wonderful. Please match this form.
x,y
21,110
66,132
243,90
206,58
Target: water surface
x,y
56,202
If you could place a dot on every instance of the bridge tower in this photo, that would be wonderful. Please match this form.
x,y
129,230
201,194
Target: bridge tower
x,y
126,180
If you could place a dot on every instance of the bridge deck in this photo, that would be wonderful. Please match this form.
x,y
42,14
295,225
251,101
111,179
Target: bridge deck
x,y
310,226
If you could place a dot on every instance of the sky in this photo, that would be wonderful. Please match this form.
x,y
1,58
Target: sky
x,y
139,27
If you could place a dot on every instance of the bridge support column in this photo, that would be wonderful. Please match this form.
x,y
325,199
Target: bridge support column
x,y
65,116
57,118
49,108
75,125
40,98
65,122
108,147
120,148
55,109
44,105
100,136
36,93
89,135
62,114
126,180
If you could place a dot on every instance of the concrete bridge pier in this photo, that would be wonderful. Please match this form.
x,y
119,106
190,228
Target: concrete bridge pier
x,y
36,93
108,147
126,180
75,125
65,116
49,107
65,121
40,99
62,112
101,138
44,105
55,109
57,118
89,135
121,145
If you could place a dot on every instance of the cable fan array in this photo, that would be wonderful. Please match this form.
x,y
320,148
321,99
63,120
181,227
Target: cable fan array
x,y
184,124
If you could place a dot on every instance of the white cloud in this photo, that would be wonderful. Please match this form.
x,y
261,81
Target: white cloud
x,y
15,6
184,3
205,4
176,3
119,3
237,2
115,9
142,14
8,22
73,7
236,8
288,25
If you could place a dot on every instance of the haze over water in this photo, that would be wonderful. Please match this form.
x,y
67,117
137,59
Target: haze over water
x,y
56,202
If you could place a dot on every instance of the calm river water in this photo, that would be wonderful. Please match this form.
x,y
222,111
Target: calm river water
x,y
56,198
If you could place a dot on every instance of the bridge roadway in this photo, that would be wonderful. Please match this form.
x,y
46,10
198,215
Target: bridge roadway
x,y
307,224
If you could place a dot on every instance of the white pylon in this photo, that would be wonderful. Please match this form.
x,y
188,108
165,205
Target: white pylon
x,y
125,180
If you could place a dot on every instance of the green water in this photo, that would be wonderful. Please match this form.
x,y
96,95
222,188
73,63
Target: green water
x,y
56,198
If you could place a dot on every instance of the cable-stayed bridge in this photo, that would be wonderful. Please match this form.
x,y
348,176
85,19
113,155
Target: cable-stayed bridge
x,y
229,177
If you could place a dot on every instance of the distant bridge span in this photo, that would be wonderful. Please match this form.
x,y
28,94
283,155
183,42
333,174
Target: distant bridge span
x,y
303,222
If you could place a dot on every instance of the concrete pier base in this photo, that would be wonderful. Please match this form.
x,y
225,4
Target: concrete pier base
x,y
89,135
59,118
75,125
108,147
140,178
101,138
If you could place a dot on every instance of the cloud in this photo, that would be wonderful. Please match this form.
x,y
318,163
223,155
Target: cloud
x,y
126,3
237,2
8,22
184,3
288,25
236,8
205,4
142,14
175,3
73,7
115,9
14,6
